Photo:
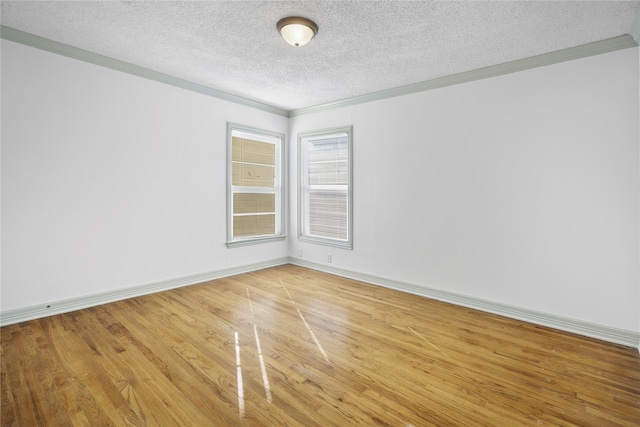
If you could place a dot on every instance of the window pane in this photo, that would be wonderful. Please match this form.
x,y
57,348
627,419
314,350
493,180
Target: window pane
x,y
254,203
250,151
252,175
253,163
254,225
328,214
328,161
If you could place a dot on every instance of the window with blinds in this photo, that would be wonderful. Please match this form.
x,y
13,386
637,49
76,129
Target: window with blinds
x,y
255,210
324,202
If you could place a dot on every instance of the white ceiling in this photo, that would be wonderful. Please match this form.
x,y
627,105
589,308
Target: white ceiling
x,y
362,47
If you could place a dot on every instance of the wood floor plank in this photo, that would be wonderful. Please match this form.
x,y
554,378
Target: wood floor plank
x,y
290,346
156,349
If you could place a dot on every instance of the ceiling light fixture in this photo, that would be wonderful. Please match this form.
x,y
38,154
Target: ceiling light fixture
x,y
297,31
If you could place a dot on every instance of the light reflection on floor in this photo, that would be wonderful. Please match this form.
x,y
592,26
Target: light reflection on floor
x,y
313,336
426,340
239,375
263,368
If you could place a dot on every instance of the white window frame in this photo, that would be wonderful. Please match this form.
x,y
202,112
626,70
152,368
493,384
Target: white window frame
x,y
235,129
304,187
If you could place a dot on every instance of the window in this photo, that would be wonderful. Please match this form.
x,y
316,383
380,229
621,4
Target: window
x,y
255,202
324,187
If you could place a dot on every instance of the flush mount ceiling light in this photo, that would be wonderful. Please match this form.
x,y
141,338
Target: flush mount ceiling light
x,y
297,31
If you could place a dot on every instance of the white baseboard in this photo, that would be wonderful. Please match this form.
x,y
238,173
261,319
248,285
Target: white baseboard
x,y
9,317
593,330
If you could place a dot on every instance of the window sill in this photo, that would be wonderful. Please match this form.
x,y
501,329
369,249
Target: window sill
x,y
255,241
326,242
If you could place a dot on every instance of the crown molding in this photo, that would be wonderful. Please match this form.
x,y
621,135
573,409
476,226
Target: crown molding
x,y
583,51
590,49
635,30
38,42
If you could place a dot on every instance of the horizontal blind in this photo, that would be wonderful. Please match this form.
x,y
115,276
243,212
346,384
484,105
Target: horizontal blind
x,y
328,214
254,225
327,179
253,165
246,203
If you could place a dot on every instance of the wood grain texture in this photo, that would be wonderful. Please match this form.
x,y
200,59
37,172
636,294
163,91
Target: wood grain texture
x,y
310,349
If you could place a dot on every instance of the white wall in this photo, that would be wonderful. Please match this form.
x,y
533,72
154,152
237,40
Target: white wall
x,y
521,189
111,181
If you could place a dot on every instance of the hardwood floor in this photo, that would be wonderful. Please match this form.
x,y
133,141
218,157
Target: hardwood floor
x,y
288,346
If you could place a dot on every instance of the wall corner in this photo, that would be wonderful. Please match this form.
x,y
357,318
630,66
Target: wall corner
x,y
635,30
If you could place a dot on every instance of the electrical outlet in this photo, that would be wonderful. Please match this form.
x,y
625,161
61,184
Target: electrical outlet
x,y
329,258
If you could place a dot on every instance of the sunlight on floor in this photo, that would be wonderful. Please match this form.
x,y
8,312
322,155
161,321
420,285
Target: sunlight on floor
x,y
426,340
239,375
313,336
263,368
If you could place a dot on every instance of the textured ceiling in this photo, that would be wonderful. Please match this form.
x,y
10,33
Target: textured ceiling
x,y
361,47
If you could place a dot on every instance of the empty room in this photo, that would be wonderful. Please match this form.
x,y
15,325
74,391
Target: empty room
x,y
320,213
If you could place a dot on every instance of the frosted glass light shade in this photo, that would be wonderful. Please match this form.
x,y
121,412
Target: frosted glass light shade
x,y
297,31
